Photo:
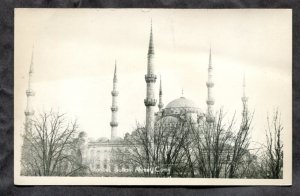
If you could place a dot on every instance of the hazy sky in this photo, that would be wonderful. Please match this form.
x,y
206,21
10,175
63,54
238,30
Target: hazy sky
x,y
75,51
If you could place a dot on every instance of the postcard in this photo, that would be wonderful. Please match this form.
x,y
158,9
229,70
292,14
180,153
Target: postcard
x,y
153,97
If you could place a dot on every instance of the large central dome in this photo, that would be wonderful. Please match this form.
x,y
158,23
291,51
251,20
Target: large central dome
x,y
182,102
181,105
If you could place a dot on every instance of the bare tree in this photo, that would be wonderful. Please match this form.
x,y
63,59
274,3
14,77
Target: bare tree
x,y
240,147
249,166
172,145
139,147
161,151
212,146
52,147
272,161
180,146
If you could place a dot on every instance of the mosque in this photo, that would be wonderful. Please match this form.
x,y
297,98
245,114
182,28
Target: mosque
x,y
97,154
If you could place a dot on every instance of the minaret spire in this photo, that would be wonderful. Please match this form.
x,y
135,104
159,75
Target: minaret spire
x,y
160,104
210,62
29,112
114,107
115,73
210,84
150,79
244,98
151,47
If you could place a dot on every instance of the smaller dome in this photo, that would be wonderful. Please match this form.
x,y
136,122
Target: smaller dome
x,y
117,139
168,119
182,102
90,139
82,134
102,139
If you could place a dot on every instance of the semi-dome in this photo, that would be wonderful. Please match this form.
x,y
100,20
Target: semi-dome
x,y
102,139
182,102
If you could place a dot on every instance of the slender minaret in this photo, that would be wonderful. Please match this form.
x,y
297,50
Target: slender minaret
x,y
150,79
244,99
210,84
160,104
114,107
29,112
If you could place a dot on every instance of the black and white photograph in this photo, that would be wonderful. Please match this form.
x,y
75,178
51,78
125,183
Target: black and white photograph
x,y
153,97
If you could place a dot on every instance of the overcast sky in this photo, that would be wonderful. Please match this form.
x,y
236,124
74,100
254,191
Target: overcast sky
x,y
75,51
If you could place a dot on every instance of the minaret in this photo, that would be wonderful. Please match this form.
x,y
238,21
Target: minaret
x,y
114,107
29,112
210,84
160,104
150,79
244,99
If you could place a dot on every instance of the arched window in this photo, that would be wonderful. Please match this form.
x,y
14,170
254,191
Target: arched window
x,y
112,168
120,167
98,154
98,166
92,156
92,153
105,164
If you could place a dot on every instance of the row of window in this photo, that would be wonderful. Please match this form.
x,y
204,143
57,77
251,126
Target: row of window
x,y
111,167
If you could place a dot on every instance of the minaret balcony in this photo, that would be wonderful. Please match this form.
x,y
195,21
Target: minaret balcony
x,y
150,78
160,105
209,119
150,51
114,124
210,101
244,99
29,113
114,93
114,108
210,84
30,93
150,102
244,112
